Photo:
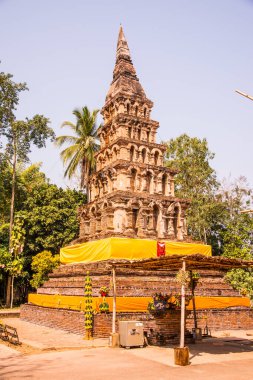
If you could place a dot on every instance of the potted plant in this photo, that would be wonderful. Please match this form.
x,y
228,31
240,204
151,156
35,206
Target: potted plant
x,y
160,304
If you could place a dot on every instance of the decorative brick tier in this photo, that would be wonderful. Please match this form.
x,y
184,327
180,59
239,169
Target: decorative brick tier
x,y
160,330
69,280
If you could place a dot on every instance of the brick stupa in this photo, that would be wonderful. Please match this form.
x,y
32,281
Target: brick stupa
x,y
131,194
131,202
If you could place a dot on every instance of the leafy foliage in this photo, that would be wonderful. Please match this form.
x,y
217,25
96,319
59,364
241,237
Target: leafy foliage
x,y
12,261
214,215
241,279
5,188
42,264
237,234
21,134
9,99
26,179
50,218
196,180
80,155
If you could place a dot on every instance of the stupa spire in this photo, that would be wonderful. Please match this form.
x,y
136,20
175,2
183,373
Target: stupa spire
x,y
124,74
122,46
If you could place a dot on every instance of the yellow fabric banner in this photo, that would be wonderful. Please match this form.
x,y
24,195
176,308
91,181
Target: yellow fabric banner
x,y
131,304
123,248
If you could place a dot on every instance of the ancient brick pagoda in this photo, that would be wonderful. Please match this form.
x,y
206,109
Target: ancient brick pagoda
x,y
131,206
132,192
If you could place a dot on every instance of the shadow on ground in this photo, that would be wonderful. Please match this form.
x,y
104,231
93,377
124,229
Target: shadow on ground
x,y
220,346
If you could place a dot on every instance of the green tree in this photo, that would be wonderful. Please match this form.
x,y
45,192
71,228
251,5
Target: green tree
x,y
26,179
80,155
238,244
42,264
21,135
237,233
50,218
12,260
9,99
5,188
196,180
32,177
50,221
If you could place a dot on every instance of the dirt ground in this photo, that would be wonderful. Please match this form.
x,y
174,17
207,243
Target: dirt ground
x,y
106,363
48,353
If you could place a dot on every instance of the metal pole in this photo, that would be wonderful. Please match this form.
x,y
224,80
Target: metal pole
x,y
243,94
114,302
182,327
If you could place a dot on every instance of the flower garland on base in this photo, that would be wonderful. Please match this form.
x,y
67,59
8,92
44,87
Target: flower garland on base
x,y
88,307
104,306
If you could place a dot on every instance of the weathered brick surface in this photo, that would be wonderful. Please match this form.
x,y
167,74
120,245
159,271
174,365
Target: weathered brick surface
x,y
160,330
69,280
223,319
68,320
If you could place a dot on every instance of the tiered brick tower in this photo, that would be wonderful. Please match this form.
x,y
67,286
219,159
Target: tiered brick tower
x,y
131,195
132,192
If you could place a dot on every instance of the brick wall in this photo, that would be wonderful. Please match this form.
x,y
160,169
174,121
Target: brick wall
x,y
223,319
161,330
68,320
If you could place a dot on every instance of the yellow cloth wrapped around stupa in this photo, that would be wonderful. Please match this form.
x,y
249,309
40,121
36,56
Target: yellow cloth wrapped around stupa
x,y
124,248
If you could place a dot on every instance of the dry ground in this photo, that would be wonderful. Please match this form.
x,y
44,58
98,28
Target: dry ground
x,y
54,354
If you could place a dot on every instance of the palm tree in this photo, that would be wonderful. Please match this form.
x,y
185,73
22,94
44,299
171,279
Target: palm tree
x,y
80,155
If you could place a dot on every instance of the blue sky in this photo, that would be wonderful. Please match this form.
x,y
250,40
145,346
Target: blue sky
x,y
190,56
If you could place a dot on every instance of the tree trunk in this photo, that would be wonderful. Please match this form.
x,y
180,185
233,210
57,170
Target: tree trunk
x,y
83,174
13,185
12,290
9,291
205,238
85,178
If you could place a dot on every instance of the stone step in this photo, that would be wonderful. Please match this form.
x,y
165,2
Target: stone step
x,y
9,313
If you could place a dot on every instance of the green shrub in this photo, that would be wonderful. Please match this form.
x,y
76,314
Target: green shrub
x,y
42,264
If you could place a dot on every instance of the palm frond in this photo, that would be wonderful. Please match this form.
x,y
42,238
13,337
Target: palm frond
x,y
85,143
68,124
69,152
60,140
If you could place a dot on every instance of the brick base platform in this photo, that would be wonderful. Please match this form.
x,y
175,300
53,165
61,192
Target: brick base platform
x,y
69,280
160,330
